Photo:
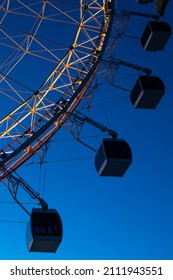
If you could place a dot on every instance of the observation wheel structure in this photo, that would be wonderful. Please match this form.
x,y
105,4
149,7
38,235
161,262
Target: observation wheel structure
x,y
38,109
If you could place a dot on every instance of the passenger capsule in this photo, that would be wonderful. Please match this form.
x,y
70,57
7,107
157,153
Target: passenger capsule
x,y
161,6
113,158
155,35
44,231
147,92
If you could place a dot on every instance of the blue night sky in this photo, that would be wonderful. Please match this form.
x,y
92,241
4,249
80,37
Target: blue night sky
x,y
107,217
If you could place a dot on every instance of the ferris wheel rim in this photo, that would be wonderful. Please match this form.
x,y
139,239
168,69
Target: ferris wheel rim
x,y
72,103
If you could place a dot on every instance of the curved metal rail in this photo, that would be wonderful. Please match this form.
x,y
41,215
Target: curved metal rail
x,y
48,108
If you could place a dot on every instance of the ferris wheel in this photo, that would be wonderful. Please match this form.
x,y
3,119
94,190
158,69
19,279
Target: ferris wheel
x,y
44,80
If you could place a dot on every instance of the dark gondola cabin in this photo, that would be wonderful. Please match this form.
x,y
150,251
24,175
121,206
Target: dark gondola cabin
x,y
161,6
113,158
155,35
44,231
147,92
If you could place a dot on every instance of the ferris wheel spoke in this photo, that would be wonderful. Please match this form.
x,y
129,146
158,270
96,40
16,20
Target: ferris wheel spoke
x,y
63,72
41,115
66,14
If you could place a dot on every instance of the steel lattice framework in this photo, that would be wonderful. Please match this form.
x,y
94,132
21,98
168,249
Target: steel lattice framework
x,y
35,120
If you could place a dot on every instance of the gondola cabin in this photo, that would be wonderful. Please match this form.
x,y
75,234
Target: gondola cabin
x,y
113,158
155,35
44,231
161,6
147,92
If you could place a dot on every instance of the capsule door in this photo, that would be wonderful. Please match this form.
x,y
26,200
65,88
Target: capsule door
x,y
113,158
44,231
